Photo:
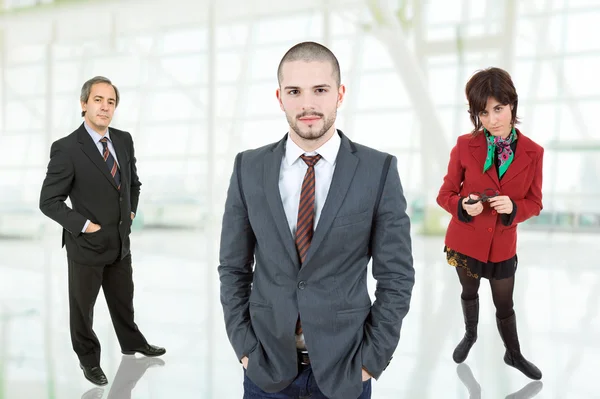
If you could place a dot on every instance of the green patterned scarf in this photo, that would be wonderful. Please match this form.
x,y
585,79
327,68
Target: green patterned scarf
x,y
501,147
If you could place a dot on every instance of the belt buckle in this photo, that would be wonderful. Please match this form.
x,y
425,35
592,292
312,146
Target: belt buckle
x,y
304,360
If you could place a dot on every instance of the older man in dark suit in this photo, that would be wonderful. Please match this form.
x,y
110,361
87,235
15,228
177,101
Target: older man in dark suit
x,y
95,168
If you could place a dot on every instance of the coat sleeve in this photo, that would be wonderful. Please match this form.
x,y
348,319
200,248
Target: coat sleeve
x,y
449,195
57,187
236,260
393,270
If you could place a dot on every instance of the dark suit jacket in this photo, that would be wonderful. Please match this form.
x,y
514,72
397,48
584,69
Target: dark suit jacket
x,y
78,171
342,331
485,237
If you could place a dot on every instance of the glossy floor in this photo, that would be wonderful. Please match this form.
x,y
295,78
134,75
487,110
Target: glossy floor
x,y
557,301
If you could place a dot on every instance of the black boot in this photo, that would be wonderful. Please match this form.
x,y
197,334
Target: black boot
x,y
513,357
471,314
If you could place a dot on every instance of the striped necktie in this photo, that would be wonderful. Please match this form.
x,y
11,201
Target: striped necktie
x,y
306,209
113,168
306,215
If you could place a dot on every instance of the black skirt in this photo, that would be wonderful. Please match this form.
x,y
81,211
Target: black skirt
x,y
478,269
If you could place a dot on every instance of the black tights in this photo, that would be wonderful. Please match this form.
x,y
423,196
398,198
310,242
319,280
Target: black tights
x,y
502,291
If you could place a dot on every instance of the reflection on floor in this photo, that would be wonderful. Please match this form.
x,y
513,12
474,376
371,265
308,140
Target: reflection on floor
x,y
177,306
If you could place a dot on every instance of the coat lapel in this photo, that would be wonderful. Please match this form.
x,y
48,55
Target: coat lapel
x,y
521,161
271,171
89,148
343,174
478,147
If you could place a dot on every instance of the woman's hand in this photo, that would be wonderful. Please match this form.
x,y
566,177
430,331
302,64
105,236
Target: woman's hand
x,y
472,209
502,204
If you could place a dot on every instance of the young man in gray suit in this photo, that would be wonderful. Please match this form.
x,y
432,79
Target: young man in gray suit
x,y
308,213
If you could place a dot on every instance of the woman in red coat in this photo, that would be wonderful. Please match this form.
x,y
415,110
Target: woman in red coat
x,y
494,182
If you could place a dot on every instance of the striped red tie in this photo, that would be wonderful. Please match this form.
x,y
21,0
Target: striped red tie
x,y
113,168
306,209
306,214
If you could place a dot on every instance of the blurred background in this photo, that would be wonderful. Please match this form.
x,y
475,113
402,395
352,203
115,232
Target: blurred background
x,y
197,81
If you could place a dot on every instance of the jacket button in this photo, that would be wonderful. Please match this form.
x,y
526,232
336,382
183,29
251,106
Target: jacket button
x,y
490,229
121,222
493,212
302,285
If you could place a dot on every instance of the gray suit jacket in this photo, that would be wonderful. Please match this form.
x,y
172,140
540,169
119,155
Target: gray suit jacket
x,y
342,330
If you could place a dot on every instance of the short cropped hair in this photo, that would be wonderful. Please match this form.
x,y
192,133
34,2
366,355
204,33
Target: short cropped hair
x,y
310,51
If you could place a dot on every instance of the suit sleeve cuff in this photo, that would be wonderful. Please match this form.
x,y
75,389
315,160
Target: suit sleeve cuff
x,y
368,372
249,344
463,216
508,219
85,226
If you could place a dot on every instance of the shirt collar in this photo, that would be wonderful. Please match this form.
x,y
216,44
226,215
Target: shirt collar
x,y
95,135
328,150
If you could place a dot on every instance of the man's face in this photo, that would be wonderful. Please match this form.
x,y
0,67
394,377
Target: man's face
x,y
100,106
309,95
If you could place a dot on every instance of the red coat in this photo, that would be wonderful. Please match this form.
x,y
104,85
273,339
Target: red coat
x,y
485,237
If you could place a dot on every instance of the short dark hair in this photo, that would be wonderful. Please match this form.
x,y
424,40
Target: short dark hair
x,y
310,51
490,82
86,89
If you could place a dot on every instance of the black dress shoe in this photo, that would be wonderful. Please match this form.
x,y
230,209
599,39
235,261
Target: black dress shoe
x,y
94,374
148,350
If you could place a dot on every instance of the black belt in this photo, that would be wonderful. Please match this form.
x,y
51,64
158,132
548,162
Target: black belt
x,y
303,358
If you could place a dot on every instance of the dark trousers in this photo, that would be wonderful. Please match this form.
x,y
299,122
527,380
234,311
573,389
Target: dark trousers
x,y
117,284
304,386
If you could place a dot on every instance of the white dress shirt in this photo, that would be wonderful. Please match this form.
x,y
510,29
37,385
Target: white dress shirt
x,y
292,172
291,176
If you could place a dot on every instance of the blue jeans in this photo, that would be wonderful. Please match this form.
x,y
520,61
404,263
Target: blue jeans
x,y
304,386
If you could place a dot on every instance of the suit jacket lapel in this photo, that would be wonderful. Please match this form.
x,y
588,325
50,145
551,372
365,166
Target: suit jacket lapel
x,y
89,148
478,147
271,171
521,160
345,167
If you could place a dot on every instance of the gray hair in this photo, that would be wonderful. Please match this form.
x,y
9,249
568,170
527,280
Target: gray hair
x,y
86,89
310,51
